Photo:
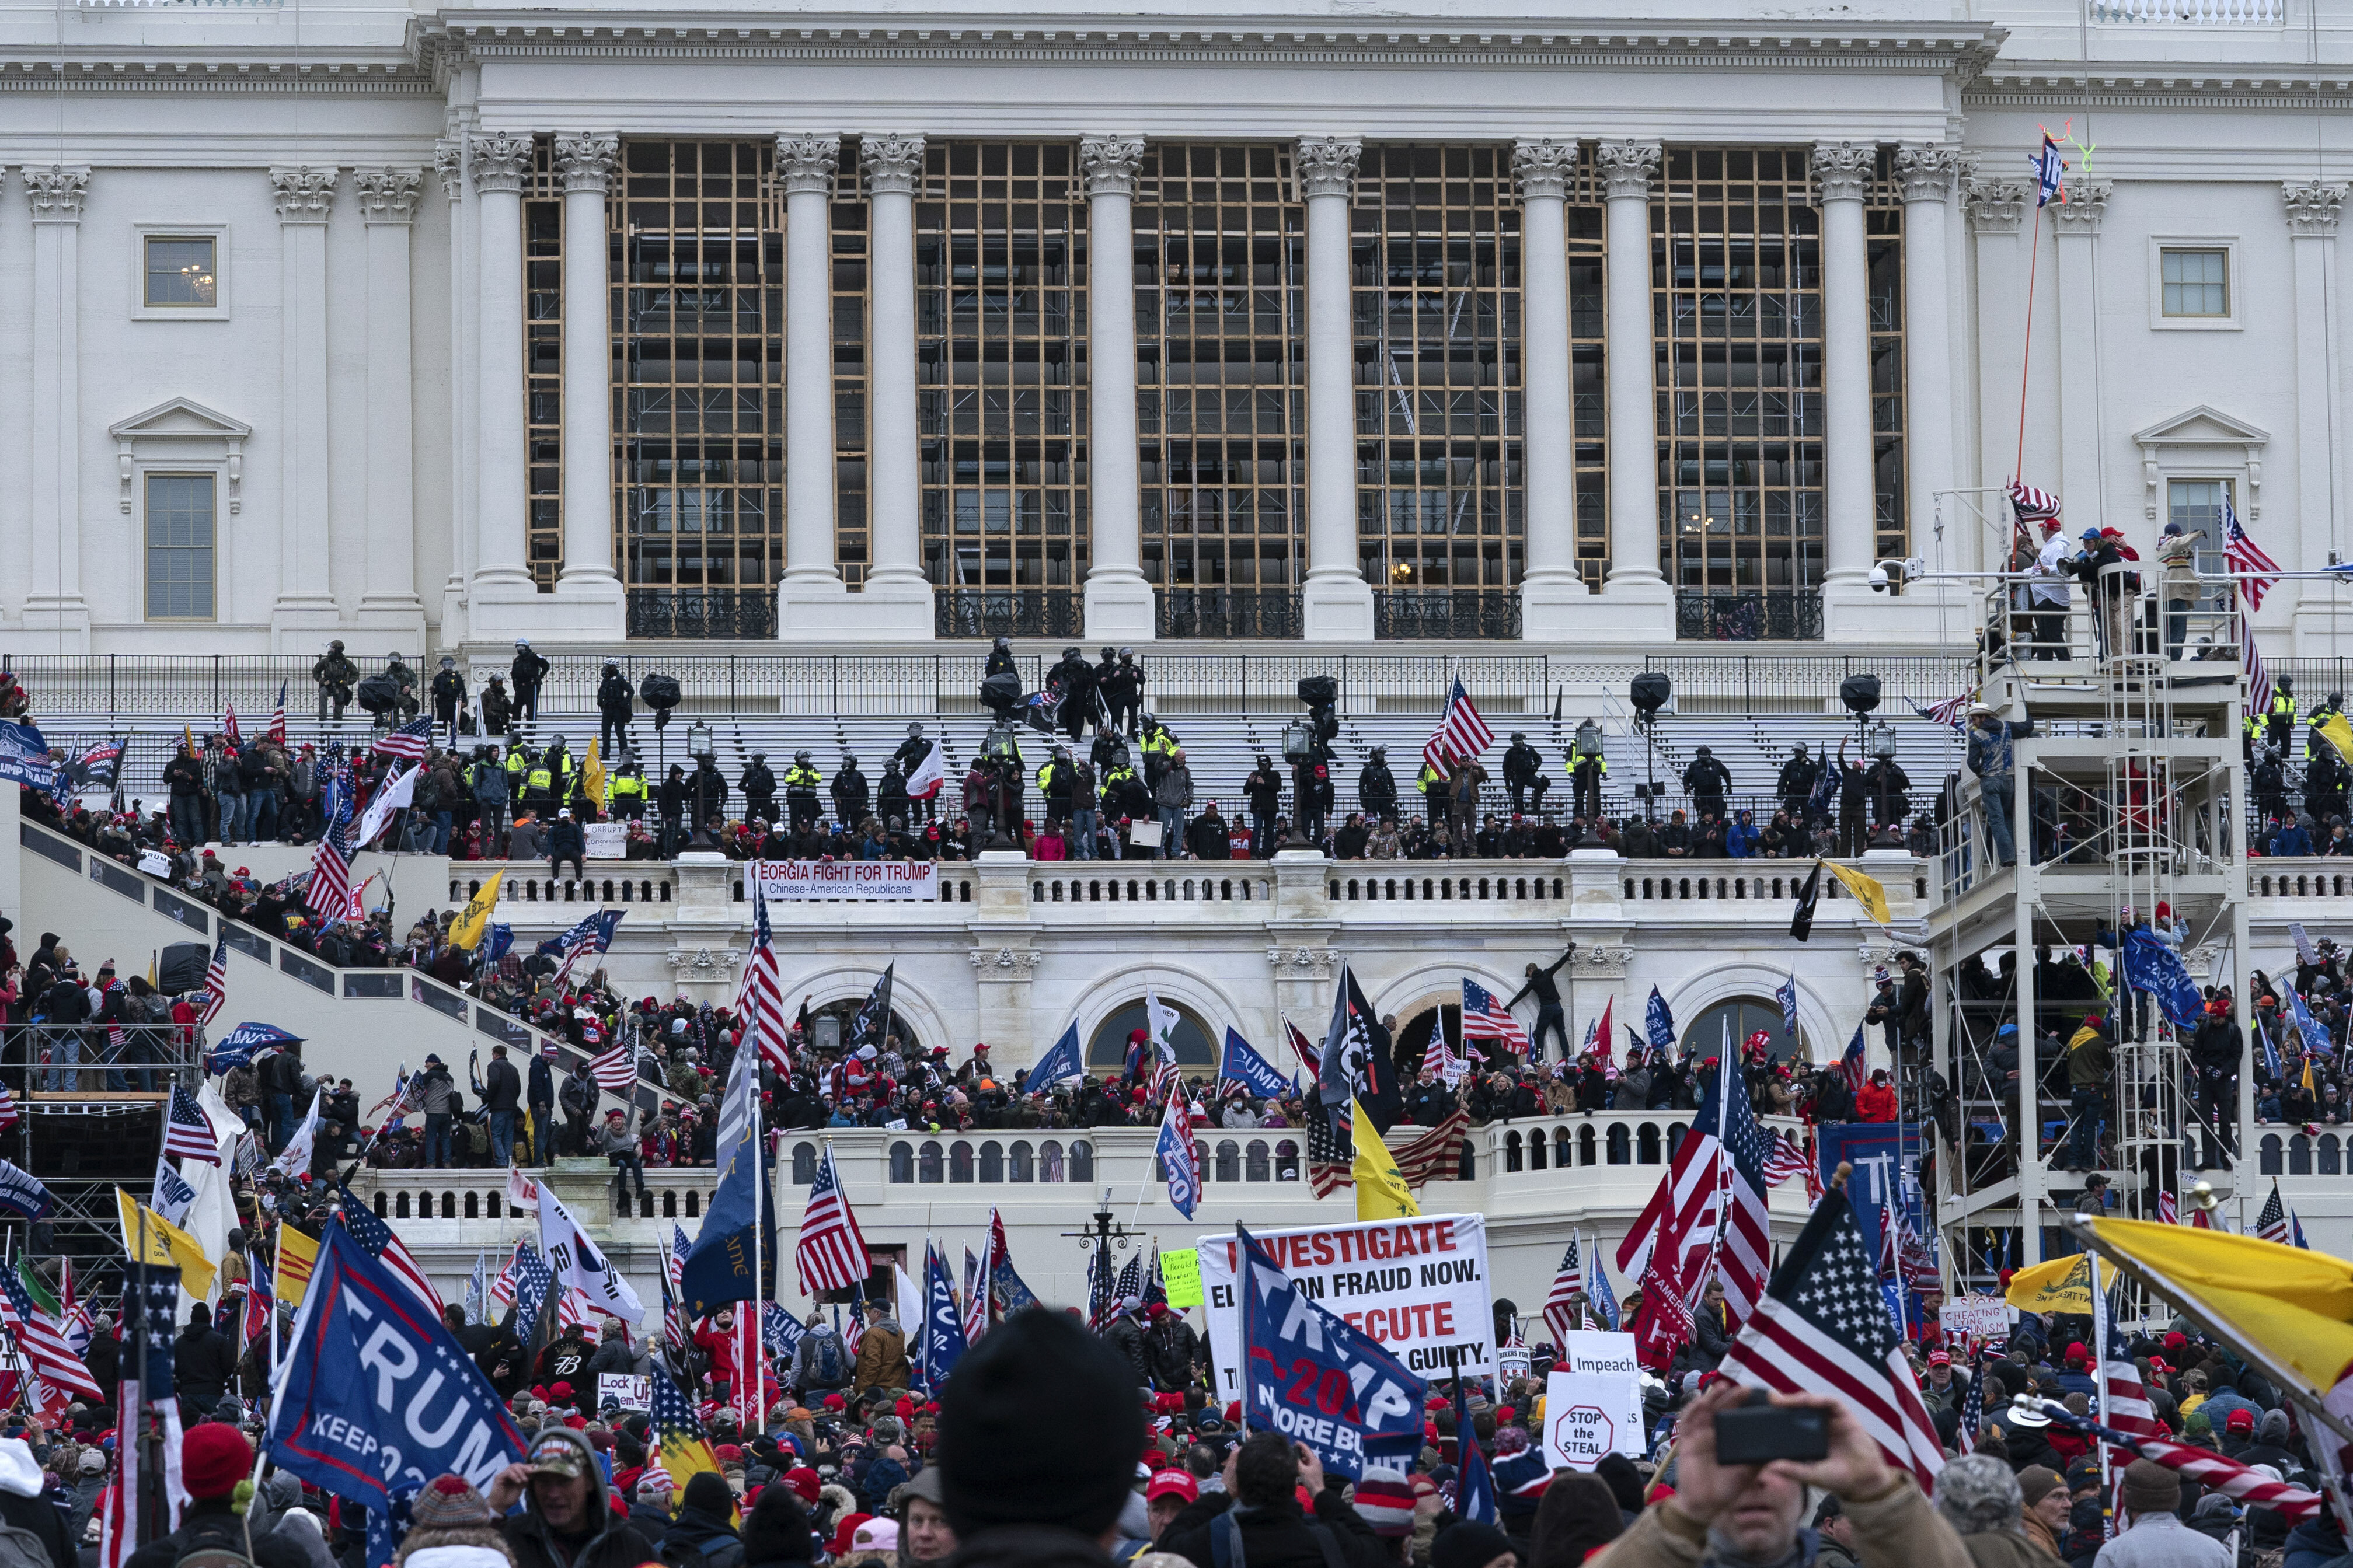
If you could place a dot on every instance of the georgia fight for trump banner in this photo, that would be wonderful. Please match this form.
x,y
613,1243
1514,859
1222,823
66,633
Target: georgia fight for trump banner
x,y
376,1397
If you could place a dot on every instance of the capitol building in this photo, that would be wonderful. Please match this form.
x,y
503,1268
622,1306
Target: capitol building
x,y
445,325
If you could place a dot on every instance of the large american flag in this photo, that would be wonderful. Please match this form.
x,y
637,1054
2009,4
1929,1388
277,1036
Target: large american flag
x,y
1822,1328
188,1131
1436,1154
617,1070
762,1000
1709,1211
2272,1222
330,893
1788,1159
1559,1309
1462,735
43,1342
375,1240
410,741
1485,1018
2259,679
2168,1211
2208,1468
216,982
2256,571
1850,1066
831,1253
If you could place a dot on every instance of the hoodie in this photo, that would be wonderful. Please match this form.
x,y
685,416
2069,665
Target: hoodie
x,y
608,1540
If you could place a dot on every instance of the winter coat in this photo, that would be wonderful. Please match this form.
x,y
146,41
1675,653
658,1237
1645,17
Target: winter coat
x,y
614,698
882,1358
611,1542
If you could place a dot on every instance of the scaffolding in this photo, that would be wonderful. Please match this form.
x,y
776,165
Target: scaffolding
x,y
2127,800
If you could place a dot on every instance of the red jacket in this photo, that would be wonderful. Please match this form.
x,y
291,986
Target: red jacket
x,y
718,1344
1875,1102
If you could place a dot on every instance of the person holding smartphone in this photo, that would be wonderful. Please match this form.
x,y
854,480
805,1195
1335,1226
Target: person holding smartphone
x,y
1747,1516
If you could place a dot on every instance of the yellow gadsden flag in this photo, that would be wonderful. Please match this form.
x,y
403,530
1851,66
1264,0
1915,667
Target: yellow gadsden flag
x,y
2288,1311
167,1245
474,920
1867,891
297,1258
2339,730
2061,1285
1381,1192
592,778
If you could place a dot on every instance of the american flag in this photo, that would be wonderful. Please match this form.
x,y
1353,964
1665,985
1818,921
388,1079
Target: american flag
x,y
2272,1222
2126,1405
1786,1160
410,741
588,934
2206,1467
188,1131
1973,1406
976,1299
276,733
2256,571
675,1327
228,726
2259,679
8,1111
1332,1150
2028,504
216,982
1822,1328
1462,735
1559,1303
329,894
43,1342
2168,1211
1710,1208
761,1002
1485,1018
831,1253
375,1240
1949,713
616,1069
1850,1066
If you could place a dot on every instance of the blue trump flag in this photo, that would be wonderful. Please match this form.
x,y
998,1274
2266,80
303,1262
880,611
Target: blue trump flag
x,y
237,1048
21,1192
376,1397
2153,967
1474,1488
2315,1035
23,755
1315,1379
943,1320
1061,1064
1242,1065
1659,1023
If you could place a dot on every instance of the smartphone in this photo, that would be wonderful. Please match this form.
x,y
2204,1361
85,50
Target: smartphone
x,y
1757,1432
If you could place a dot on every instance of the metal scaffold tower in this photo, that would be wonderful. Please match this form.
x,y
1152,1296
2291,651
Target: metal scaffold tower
x,y
2128,801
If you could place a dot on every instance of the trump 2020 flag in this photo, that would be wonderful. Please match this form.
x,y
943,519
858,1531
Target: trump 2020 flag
x,y
375,1396
1242,1065
2153,967
1061,1064
1659,1023
23,755
1179,1156
1317,1381
943,1342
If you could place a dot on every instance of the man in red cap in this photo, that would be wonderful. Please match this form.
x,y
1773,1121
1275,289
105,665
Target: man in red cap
x,y
1947,1385
213,1458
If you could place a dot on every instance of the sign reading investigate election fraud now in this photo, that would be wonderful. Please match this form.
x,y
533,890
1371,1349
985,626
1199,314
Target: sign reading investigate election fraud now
x,y
1419,1285
847,881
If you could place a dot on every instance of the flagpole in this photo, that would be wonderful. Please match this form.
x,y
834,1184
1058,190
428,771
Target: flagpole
x,y
759,1196
2026,353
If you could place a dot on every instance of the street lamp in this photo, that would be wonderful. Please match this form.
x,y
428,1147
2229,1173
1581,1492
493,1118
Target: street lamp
x,y
1106,1236
1000,755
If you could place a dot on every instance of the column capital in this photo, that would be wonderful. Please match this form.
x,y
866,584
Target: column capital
x,y
1925,173
56,192
1995,207
500,162
2086,204
1842,171
449,167
1110,163
1544,166
1327,164
1628,167
585,160
304,196
388,195
2313,207
894,165
808,164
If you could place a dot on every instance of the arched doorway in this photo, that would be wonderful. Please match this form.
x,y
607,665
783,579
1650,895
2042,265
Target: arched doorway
x,y
1746,1014
1107,1051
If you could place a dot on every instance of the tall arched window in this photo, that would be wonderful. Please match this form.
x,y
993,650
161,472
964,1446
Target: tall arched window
x,y
1083,1160
1107,1051
1025,1162
960,1161
903,1163
1747,1015
1050,1160
1230,1161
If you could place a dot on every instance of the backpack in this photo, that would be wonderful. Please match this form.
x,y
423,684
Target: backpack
x,y
20,1548
825,1362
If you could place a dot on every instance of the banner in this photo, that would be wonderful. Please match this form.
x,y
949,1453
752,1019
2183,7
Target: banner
x,y
376,1396
1590,1416
1181,1274
847,881
605,841
632,1394
1982,1317
24,756
1419,1285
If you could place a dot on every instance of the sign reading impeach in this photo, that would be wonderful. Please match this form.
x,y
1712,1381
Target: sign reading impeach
x,y
847,881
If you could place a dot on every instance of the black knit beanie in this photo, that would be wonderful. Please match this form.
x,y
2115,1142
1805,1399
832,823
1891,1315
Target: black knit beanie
x,y
1039,1424
709,1495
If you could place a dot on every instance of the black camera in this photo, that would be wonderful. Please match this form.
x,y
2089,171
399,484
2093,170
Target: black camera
x,y
1756,1431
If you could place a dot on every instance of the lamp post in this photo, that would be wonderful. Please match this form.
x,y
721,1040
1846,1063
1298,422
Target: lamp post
x,y
1106,1237
698,743
1299,751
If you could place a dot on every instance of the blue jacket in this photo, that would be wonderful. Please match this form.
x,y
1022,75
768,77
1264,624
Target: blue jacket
x,y
2291,840
1991,755
1740,838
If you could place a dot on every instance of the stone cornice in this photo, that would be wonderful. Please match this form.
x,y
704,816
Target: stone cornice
x,y
2034,84
1962,49
200,71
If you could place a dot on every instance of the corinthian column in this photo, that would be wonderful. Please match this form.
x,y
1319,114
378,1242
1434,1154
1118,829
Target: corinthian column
x,y
306,599
506,601
1337,605
53,600
1842,173
390,607
811,578
1119,600
896,604
1643,606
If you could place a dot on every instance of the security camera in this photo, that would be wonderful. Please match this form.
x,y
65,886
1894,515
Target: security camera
x,y
1878,579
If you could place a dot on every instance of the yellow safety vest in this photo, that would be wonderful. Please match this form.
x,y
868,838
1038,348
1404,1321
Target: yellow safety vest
x,y
628,785
538,780
798,777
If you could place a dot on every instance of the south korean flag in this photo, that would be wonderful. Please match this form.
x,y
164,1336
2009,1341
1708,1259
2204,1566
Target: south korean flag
x,y
578,1263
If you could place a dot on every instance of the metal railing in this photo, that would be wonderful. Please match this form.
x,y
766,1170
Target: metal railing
x,y
702,612
1469,614
1757,615
1223,612
1007,613
86,1059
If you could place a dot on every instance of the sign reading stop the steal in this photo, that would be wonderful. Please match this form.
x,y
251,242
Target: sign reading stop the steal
x,y
1590,1414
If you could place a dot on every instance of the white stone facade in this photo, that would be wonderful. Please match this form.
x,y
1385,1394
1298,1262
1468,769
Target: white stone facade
x,y
353,388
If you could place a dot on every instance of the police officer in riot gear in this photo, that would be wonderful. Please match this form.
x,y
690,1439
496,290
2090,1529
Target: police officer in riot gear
x,y
801,783
759,787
